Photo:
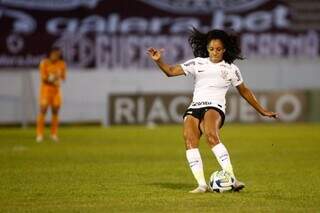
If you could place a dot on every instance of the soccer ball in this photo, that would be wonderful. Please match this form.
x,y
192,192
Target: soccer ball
x,y
221,181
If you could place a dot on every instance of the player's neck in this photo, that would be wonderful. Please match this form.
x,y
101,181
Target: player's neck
x,y
215,62
53,61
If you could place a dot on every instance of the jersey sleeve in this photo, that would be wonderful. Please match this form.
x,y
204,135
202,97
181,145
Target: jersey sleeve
x,y
236,77
64,70
188,67
43,70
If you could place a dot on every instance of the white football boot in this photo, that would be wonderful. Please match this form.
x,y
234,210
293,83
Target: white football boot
x,y
238,186
39,138
54,138
199,189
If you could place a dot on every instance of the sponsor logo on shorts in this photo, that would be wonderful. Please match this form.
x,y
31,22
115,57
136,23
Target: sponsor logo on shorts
x,y
201,103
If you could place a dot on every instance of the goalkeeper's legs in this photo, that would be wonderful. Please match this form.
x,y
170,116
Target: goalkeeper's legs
x,y
41,122
55,123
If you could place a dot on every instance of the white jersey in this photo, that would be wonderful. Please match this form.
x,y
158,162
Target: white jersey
x,y
211,81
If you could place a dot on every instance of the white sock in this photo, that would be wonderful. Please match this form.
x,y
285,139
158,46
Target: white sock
x,y
195,163
222,155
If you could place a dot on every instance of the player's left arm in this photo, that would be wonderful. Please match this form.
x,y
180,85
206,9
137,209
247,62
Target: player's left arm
x,y
64,71
248,95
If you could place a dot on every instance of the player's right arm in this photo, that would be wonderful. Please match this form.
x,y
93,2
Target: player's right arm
x,y
169,70
64,71
43,71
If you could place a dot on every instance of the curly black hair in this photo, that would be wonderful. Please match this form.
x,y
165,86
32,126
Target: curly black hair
x,y
199,42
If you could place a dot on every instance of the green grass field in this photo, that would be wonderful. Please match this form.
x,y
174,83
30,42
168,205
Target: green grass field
x,y
135,169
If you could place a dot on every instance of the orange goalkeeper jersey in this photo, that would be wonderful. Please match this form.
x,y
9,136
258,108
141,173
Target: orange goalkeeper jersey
x,y
56,70
51,74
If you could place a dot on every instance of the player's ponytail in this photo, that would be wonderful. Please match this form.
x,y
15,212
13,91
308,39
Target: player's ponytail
x,y
199,42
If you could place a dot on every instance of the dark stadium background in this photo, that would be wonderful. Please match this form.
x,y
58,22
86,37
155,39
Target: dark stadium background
x,y
104,44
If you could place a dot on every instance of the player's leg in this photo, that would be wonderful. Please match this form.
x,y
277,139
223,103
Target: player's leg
x,y
211,124
55,108
43,107
54,122
192,135
41,121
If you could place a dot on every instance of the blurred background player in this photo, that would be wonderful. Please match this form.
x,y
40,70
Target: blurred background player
x,y
52,72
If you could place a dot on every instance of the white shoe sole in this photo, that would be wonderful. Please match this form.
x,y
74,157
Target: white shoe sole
x,y
199,190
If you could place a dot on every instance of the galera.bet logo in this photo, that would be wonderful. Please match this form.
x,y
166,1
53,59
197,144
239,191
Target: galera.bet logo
x,y
204,6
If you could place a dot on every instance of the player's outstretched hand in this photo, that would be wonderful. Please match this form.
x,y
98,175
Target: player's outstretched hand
x,y
154,53
270,114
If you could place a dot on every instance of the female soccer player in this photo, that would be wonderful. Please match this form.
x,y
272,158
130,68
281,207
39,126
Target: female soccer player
x,y
214,72
52,72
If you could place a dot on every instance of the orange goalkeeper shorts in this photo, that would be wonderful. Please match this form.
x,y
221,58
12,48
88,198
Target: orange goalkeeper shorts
x,y
50,96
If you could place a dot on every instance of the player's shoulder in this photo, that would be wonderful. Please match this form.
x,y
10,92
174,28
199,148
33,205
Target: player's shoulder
x,y
231,66
201,61
62,62
197,61
234,67
44,61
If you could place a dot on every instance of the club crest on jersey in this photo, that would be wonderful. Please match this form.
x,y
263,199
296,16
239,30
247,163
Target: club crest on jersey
x,y
224,74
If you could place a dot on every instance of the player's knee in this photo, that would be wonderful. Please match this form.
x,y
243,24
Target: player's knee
x,y
212,137
55,110
191,139
43,109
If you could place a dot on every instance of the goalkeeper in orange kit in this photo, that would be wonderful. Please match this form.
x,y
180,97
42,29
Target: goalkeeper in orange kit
x,y
52,73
